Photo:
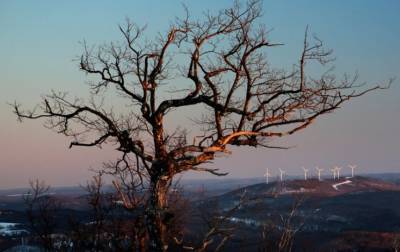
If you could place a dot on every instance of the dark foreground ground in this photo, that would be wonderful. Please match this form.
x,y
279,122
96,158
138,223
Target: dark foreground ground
x,y
360,215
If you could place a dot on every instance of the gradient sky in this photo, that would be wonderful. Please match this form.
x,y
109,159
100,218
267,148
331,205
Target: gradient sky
x,y
40,39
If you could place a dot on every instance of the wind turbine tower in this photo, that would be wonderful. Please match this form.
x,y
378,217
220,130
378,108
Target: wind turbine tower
x,y
267,175
319,172
334,173
282,172
352,167
305,172
338,171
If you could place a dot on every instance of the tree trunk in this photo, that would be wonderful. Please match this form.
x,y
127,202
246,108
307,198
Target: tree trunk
x,y
155,212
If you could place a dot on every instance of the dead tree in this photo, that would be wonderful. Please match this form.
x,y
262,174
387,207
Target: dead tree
x,y
41,209
106,227
279,235
219,64
100,206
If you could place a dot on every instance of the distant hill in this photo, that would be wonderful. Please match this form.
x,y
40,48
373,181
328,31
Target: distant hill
x,y
327,209
278,195
332,213
314,187
213,186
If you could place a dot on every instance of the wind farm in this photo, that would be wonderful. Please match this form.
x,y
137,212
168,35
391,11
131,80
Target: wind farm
x,y
319,175
330,201
241,125
328,204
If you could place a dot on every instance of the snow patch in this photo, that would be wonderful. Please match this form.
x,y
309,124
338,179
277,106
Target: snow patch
x,y
335,186
10,229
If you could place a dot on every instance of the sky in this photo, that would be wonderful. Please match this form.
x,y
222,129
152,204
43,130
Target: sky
x,y
39,41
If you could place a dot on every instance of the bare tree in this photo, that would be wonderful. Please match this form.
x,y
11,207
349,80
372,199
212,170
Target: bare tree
x,y
219,64
106,228
41,211
216,228
289,228
100,206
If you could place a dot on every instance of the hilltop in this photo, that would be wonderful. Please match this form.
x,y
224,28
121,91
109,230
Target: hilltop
x,y
314,187
327,208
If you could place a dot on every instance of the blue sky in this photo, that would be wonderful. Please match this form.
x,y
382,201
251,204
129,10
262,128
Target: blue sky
x,y
40,39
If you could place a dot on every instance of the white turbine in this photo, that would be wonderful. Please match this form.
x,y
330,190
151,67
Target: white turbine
x,y
282,172
352,167
267,175
334,172
305,172
338,171
319,172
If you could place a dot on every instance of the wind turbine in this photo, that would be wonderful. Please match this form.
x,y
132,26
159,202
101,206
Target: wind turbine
x,y
319,172
338,171
267,175
334,172
352,167
282,172
305,172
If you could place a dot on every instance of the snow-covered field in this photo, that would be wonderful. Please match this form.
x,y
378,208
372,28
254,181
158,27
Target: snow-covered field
x,y
10,229
28,194
247,221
